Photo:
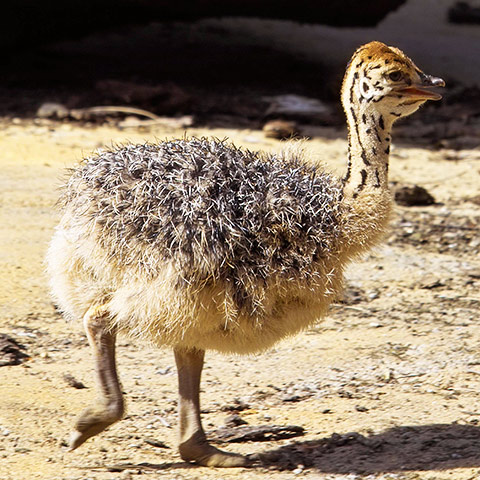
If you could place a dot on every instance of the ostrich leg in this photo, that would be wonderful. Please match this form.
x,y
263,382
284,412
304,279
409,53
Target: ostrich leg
x,y
109,406
193,445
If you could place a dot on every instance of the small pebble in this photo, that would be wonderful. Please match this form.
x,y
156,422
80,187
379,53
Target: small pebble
x,y
361,408
430,281
156,443
73,382
291,398
234,421
163,371
22,450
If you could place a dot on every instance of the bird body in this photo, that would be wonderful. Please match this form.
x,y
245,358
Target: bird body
x,y
198,245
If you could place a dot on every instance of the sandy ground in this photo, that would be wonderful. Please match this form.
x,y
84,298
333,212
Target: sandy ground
x,y
386,387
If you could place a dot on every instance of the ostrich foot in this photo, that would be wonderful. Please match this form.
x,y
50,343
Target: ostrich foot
x,y
92,421
204,454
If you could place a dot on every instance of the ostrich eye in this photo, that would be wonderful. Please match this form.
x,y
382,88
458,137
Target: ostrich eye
x,y
395,76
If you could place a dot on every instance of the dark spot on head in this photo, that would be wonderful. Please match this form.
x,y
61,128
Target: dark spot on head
x,y
377,177
374,150
387,150
365,87
395,114
364,118
387,62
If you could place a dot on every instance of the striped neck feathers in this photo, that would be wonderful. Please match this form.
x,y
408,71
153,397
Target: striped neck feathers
x,y
369,139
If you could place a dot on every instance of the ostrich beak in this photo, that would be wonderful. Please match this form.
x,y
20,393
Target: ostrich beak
x,y
422,90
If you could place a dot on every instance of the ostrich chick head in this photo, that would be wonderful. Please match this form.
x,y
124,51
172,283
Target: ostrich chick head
x,y
383,79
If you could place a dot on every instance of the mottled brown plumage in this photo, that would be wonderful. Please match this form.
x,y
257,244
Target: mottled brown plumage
x,y
199,245
218,214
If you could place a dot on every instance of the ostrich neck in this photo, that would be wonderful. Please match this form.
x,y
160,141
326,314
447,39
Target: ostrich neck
x,y
366,196
369,141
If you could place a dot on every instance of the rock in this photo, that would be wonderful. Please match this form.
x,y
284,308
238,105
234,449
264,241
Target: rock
x,y
414,195
52,110
280,129
164,371
234,421
73,382
361,408
291,397
298,470
259,433
237,406
430,281
297,106
155,443
11,352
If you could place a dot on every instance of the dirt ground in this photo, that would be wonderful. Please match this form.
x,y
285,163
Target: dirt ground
x,y
386,387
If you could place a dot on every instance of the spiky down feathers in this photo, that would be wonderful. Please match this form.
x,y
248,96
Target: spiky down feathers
x,y
257,232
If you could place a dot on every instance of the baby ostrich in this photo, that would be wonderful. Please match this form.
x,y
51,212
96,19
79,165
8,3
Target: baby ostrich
x,y
199,245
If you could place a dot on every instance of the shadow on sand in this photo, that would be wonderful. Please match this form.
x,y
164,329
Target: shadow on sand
x,y
405,448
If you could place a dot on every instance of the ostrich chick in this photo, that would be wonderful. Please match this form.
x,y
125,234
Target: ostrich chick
x,y
199,245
